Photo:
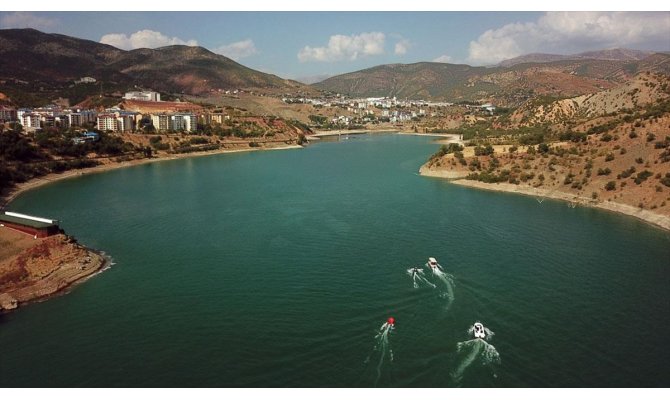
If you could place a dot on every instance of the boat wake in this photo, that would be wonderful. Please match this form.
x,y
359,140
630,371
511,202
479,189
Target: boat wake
x,y
447,280
474,351
419,278
382,350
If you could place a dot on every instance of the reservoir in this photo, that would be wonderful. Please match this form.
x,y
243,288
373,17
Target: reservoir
x,y
279,269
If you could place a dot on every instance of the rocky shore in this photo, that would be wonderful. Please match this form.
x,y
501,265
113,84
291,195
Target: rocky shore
x,y
35,269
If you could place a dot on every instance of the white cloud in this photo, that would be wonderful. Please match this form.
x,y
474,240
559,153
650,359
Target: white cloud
x,y
342,47
572,32
443,59
238,50
143,39
27,20
402,46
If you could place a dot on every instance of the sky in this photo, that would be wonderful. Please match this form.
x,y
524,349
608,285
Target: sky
x,y
309,45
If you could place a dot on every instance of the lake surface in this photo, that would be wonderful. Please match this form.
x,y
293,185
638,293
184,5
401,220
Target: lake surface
x,y
279,268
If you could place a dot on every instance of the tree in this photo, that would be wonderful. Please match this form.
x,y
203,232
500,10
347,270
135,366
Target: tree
x,y
484,151
147,151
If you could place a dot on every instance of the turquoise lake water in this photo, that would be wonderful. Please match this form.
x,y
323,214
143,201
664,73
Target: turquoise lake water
x,y
279,269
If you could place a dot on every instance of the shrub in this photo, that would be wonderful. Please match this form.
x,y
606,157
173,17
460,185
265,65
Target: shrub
x,y
611,185
447,149
568,178
642,176
484,151
666,180
609,157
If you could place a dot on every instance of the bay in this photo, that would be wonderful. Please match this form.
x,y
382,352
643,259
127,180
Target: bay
x,y
278,269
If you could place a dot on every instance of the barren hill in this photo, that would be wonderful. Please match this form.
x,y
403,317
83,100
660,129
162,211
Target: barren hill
x,y
610,150
39,64
642,90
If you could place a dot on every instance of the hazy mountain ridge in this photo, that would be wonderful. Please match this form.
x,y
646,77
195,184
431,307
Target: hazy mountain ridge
x,y
506,86
609,54
36,66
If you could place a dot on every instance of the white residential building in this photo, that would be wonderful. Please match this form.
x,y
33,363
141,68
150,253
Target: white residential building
x,y
161,122
185,122
107,122
118,121
83,117
7,114
31,121
144,96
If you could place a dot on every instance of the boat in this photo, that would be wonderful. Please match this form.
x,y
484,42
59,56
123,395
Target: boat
x,y
479,331
432,262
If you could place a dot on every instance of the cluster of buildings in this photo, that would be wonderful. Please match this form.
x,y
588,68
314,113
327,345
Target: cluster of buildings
x,y
388,109
366,103
110,120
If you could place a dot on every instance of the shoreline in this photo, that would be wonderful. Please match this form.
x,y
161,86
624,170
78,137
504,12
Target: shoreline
x,y
350,132
451,137
20,188
457,178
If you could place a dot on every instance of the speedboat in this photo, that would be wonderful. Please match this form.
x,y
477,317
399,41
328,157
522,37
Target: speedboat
x,y
432,263
479,331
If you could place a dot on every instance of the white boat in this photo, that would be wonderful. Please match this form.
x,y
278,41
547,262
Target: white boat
x,y
432,263
479,331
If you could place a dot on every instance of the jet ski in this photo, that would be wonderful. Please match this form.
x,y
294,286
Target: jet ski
x,y
432,263
415,270
479,331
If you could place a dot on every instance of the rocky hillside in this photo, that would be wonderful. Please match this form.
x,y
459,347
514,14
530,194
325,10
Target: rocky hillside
x,y
639,92
40,65
611,149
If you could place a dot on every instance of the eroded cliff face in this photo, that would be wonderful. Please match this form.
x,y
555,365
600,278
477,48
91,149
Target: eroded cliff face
x,y
44,268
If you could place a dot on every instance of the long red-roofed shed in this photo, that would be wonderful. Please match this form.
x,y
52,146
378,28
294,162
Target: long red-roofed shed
x,y
35,226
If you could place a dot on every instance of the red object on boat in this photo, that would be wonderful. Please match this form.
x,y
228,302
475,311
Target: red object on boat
x,y
391,321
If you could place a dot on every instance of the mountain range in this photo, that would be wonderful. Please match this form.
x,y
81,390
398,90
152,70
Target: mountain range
x,y
549,75
37,66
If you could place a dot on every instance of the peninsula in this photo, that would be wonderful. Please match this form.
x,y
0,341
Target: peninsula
x,y
38,260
